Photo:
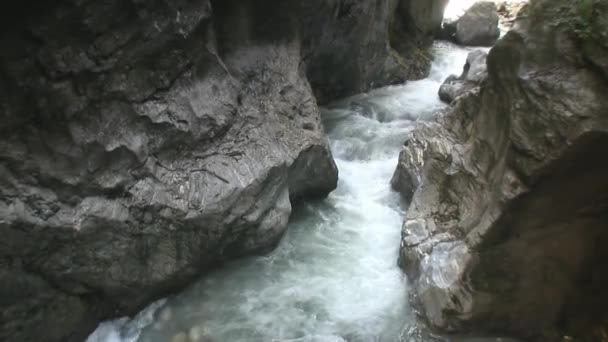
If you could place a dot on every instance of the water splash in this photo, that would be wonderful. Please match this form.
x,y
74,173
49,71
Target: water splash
x,y
124,329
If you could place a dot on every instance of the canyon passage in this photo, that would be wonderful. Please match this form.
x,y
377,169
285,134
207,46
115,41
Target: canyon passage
x,y
334,276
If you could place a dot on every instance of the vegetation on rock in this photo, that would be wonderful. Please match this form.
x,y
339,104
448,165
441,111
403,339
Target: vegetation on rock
x,y
587,20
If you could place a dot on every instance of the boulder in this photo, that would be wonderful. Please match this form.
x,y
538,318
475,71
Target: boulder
x,y
139,150
506,230
474,72
144,142
478,26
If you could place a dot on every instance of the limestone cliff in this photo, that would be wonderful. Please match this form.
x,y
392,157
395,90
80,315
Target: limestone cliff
x,y
507,227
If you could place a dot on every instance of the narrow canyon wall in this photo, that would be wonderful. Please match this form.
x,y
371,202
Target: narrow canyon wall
x,y
507,225
143,142
352,46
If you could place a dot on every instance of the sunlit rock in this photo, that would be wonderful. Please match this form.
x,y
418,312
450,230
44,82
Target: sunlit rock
x,y
474,72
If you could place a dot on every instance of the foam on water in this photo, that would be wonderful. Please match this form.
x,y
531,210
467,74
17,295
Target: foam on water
x,y
334,276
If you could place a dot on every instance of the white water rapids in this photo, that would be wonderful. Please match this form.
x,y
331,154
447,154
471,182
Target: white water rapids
x,y
334,276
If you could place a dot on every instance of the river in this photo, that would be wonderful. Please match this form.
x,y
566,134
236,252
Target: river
x,y
334,277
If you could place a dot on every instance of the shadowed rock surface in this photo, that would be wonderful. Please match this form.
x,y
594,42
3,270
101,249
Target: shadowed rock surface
x,y
507,225
142,142
351,46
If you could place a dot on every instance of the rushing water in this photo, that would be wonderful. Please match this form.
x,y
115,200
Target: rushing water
x,y
334,277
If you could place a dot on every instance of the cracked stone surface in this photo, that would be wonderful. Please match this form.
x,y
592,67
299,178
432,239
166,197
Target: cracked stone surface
x,y
506,227
143,142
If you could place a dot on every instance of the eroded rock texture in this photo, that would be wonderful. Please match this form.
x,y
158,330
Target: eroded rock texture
x,y
474,72
508,223
142,142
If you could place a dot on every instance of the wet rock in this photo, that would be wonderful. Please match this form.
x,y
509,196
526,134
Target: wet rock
x,y
474,72
478,26
506,228
142,143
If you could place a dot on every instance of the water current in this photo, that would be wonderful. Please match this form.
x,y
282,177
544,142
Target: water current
x,y
334,277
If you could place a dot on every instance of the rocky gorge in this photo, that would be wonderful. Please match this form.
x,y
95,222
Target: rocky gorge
x,y
144,143
506,226
154,153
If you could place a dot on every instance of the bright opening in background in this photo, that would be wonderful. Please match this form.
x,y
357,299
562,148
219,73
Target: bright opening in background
x,y
456,8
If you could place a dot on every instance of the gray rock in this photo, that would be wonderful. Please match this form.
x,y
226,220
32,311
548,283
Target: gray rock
x,y
478,26
143,143
506,227
474,72
347,48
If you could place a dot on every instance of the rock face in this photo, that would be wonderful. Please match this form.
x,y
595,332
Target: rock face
x,y
414,26
142,142
507,225
475,72
508,12
478,26
352,46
